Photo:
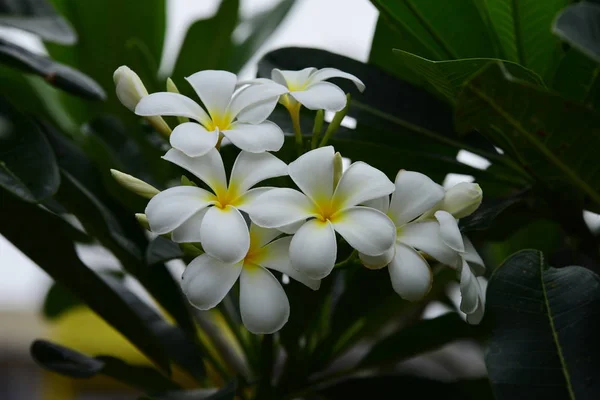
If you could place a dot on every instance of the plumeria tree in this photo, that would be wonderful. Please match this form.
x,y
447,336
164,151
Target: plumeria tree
x,y
313,206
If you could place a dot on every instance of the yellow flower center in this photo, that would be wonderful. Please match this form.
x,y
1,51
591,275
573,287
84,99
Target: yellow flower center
x,y
220,121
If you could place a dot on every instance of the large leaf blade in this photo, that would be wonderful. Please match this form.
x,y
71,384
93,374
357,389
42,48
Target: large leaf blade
x,y
578,25
38,17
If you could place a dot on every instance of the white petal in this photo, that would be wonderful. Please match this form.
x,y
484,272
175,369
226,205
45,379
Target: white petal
x,y
473,258
410,274
225,234
292,79
172,207
253,104
313,249
415,193
189,231
276,256
206,281
381,203
209,167
321,96
313,173
215,89
265,136
279,207
193,139
425,236
292,228
449,231
476,316
171,104
260,236
360,183
244,202
470,290
264,305
380,261
328,73
251,168
367,230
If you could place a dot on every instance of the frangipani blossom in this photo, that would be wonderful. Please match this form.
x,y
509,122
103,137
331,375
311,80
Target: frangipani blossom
x,y
239,115
410,273
264,306
326,207
308,87
193,214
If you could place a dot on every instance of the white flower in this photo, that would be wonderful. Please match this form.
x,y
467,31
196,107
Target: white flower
x,y
264,305
308,87
193,214
460,200
469,265
239,114
329,208
410,273
134,184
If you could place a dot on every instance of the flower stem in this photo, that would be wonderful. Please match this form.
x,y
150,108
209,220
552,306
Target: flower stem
x,y
348,261
316,133
294,110
218,145
336,122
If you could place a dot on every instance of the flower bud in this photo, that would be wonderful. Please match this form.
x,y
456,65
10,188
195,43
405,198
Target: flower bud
x,y
338,169
462,199
142,220
129,87
134,184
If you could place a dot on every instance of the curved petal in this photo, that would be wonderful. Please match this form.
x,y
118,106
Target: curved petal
x,y
260,236
313,249
381,203
410,274
367,230
225,234
378,262
292,228
209,168
264,305
476,316
449,232
425,236
279,207
244,202
470,290
360,183
328,73
171,104
172,207
253,104
193,139
292,79
265,136
415,193
215,89
189,231
251,168
276,256
313,173
473,258
321,96
206,281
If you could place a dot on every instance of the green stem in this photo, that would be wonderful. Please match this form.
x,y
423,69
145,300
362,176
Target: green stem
x,y
294,111
316,133
218,145
348,261
336,122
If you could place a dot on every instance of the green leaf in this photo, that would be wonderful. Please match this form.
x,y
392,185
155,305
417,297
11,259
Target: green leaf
x,y
73,364
227,392
56,255
552,138
483,218
577,78
38,17
160,250
58,301
447,77
578,26
545,330
27,164
56,74
523,30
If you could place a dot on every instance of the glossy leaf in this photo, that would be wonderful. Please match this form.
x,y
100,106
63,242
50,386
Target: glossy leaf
x,y
554,139
38,17
544,330
578,26
577,78
160,250
484,217
27,164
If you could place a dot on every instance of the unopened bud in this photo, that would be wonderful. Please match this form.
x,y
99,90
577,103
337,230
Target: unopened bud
x,y
338,169
129,87
143,220
462,199
134,184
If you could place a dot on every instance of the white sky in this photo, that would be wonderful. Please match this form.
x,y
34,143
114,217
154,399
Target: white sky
x,y
342,26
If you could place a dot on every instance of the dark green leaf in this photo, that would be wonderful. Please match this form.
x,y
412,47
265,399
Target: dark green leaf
x,y
577,78
160,250
27,164
484,216
545,330
553,139
36,16
56,74
227,392
579,25
58,301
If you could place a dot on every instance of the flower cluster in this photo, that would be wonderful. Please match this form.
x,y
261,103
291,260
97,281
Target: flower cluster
x,y
245,231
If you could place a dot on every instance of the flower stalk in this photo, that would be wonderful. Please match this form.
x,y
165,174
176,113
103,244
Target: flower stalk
x,y
336,122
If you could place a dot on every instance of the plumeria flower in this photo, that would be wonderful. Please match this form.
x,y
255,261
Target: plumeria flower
x,y
193,214
264,306
325,207
410,273
308,87
239,115
469,265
